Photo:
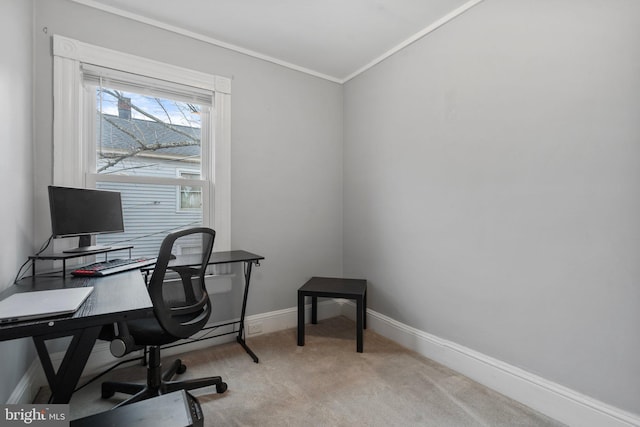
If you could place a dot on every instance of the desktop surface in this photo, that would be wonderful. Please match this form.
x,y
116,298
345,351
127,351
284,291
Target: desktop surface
x,y
113,298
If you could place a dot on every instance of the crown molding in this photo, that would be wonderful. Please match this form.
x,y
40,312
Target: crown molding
x,y
200,37
419,35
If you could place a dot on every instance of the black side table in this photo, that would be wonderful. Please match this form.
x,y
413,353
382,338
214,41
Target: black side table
x,y
328,287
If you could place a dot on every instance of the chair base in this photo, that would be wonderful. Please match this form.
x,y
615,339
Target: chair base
x,y
159,383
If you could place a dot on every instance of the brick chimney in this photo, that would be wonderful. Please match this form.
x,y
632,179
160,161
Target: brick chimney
x,y
124,108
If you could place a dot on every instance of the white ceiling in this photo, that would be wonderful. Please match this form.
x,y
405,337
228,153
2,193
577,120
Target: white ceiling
x,y
333,39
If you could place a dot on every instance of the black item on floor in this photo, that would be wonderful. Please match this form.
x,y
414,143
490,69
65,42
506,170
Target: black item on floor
x,y
177,409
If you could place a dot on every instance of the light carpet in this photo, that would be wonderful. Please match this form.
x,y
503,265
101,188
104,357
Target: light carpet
x,y
327,383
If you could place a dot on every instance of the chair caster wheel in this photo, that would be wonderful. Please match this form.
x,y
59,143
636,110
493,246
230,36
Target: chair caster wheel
x,y
182,369
221,388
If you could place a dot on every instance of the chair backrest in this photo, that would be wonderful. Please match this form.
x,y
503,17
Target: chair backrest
x,y
178,292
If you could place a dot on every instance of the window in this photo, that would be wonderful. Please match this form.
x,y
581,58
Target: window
x,y
143,131
147,130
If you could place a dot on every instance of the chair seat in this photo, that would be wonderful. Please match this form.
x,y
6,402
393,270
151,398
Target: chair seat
x,y
147,332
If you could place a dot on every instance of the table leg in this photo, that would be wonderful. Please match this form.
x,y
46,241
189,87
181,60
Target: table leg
x,y
364,310
300,318
314,310
359,323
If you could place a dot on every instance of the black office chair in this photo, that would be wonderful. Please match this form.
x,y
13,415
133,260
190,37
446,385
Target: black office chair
x,y
181,307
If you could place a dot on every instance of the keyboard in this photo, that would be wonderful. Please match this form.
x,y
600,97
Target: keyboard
x,y
104,268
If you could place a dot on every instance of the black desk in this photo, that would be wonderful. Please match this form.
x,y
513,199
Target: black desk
x,y
228,257
114,298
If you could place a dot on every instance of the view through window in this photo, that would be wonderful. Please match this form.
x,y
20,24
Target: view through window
x,y
143,144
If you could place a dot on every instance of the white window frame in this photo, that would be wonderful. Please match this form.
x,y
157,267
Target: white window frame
x,y
71,156
179,174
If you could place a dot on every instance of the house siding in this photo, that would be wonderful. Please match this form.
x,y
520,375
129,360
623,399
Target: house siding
x,y
150,211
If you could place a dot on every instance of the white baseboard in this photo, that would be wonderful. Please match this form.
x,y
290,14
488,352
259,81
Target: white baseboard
x,y
28,386
547,397
554,400
288,318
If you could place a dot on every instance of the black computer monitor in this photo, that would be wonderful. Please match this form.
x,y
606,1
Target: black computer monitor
x,y
84,212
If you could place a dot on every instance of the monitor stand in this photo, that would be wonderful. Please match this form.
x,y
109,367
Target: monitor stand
x,y
84,245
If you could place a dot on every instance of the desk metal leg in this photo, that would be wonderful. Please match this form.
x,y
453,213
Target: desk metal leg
x,y
240,338
63,382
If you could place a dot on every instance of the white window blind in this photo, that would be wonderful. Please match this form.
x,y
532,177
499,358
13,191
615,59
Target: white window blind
x,y
121,80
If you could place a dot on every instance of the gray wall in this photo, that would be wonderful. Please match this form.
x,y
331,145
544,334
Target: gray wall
x,y
286,154
492,188
16,168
